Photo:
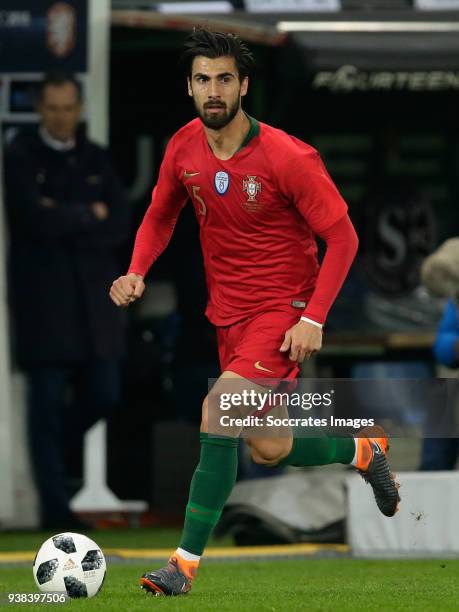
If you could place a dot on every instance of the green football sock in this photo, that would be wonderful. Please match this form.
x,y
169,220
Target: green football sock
x,y
320,451
211,485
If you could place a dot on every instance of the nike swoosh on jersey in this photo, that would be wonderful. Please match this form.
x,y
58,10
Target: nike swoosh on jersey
x,y
190,174
258,366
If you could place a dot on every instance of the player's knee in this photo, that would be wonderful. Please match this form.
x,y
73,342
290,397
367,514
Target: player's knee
x,y
269,453
204,416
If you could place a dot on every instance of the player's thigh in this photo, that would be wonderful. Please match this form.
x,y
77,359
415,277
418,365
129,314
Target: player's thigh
x,y
232,399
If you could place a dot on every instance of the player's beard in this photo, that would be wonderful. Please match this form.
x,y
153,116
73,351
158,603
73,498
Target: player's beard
x,y
218,122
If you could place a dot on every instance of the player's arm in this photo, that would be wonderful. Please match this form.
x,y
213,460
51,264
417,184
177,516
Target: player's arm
x,y
342,243
169,197
319,202
305,337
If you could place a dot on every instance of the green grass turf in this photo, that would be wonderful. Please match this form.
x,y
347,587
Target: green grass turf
x,y
116,538
298,585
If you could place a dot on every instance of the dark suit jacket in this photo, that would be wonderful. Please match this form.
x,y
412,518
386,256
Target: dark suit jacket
x,y
62,259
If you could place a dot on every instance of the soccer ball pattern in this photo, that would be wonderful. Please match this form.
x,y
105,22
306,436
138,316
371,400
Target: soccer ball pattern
x,y
46,571
64,542
70,563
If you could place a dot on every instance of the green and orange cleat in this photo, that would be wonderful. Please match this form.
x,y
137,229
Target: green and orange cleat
x,y
173,579
372,464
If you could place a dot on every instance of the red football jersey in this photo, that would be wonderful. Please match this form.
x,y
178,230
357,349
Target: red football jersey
x,y
258,213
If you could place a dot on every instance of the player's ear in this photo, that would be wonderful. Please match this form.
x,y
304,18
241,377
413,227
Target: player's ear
x,y
244,86
188,82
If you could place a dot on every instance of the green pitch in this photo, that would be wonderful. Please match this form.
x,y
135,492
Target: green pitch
x,y
309,585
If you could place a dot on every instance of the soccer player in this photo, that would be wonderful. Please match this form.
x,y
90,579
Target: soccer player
x,y
260,197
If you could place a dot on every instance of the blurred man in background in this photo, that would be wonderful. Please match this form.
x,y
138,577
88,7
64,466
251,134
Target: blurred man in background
x,y
67,216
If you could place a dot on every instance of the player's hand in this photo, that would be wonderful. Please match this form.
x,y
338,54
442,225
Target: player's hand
x,y
303,339
127,289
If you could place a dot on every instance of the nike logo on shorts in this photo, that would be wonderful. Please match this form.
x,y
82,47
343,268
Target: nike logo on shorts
x,y
258,366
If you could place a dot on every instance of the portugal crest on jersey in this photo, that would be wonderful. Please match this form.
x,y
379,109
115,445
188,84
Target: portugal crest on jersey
x,y
252,187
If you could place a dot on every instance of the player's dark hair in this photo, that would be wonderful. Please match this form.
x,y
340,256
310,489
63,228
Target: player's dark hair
x,y
217,44
58,79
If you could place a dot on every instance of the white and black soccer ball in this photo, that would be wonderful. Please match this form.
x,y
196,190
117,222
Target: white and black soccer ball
x,y
70,563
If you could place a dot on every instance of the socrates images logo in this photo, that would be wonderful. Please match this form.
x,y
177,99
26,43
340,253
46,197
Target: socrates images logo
x,y
61,33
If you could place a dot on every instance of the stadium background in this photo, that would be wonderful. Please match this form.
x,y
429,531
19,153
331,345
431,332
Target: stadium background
x,y
379,106
373,85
